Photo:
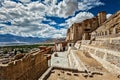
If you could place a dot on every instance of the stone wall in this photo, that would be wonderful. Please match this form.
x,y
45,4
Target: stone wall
x,y
75,32
30,67
60,46
108,57
81,30
109,28
101,17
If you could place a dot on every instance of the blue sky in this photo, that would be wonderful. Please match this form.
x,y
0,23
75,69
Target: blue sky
x,y
49,18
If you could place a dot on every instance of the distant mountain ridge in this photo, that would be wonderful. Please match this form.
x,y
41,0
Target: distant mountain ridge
x,y
8,39
19,39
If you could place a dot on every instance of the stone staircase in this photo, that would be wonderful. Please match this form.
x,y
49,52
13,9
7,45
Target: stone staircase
x,y
106,51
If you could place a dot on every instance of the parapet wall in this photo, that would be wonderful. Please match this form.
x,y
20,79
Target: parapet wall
x,y
75,62
30,67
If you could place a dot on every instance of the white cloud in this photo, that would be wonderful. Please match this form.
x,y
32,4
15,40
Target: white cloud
x,y
48,20
9,4
108,15
25,1
26,18
64,9
40,30
52,23
79,17
67,8
88,4
62,24
36,6
65,25
50,2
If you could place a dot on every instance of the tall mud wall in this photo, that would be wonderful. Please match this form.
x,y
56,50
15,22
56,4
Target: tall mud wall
x,y
30,67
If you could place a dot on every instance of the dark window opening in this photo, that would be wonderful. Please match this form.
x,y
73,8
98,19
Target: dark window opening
x,y
63,48
87,29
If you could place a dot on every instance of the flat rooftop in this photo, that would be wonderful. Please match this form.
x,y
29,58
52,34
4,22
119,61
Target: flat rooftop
x,y
60,59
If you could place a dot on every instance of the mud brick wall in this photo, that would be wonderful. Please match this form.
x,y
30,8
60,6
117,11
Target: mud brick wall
x,y
30,67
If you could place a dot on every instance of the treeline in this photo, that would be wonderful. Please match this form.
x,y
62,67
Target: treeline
x,y
27,46
20,48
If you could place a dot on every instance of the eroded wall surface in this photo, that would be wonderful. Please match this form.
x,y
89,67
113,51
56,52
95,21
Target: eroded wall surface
x,y
30,67
81,30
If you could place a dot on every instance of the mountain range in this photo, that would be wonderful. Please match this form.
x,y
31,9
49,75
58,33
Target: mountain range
x,y
19,39
9,39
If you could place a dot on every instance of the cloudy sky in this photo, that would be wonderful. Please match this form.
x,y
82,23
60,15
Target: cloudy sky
x,y
49,18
